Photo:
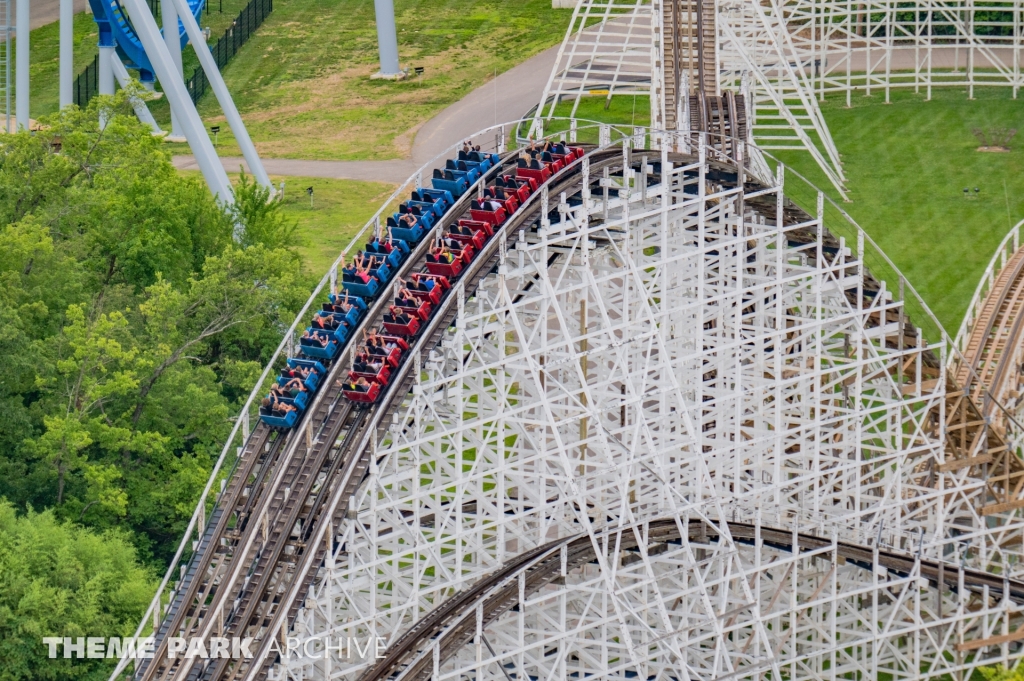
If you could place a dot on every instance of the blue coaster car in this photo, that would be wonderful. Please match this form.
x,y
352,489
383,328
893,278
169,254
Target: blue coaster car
x,y
408,234
383,272
319,371
445,197
393,259
467,161
339,333
354,314
286,421
427,219
461,169
447,182
357,288
310,382
313,349
300,399
486,160
426,207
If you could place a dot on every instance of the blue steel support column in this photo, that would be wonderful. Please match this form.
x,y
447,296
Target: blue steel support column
x,y
148,79
387,39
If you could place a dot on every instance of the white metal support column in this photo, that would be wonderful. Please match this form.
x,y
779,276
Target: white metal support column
x,y
172,39
181,104
220,89
21,64
67,51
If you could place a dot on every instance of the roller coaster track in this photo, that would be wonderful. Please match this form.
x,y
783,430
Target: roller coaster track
x,y
290,488
995,339
452,624
272,528
690,49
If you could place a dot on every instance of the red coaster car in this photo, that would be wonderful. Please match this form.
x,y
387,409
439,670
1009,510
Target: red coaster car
x,y
409,329
541,175
382,376
475,242
370,395
433,296
451,270
422,312
493,217
477,225
528,183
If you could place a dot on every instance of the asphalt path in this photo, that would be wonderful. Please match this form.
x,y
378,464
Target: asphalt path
x,y
505,98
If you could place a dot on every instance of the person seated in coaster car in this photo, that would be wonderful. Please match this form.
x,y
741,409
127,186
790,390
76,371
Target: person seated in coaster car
x,y
341,305
406,299
355,384
299,372
419,283
375,345
397,316
315,338
276,408
379,247
293,387
436,255
328,322
363,365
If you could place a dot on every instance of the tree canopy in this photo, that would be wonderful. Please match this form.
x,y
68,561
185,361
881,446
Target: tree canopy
x,y
132,328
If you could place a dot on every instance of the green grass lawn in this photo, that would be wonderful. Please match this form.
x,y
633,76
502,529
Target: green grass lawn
x,y
44,62
907,164
340,209
302,82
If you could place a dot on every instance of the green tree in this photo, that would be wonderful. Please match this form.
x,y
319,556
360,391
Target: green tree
x,y
57,579
132,323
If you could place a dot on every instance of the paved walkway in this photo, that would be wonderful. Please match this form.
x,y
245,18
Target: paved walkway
x,y
505,98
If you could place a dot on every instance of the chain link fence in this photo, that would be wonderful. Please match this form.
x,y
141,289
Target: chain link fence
x,y
87,83
241,29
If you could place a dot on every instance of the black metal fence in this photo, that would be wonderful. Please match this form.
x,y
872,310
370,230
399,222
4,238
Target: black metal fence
x,y
242,28
87,83
223,50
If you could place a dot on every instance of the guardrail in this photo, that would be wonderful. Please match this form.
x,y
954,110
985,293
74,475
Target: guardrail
x,y
1006,249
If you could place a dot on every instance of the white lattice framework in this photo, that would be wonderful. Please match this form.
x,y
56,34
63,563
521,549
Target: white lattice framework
x,y
684,353
788,55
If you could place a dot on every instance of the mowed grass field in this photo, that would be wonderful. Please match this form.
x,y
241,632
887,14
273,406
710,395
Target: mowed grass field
x,y
340,209
303,83
907,164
